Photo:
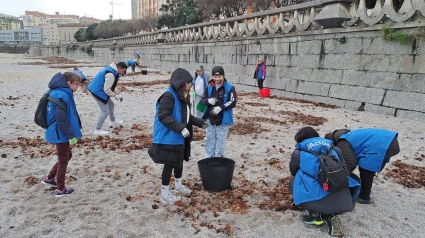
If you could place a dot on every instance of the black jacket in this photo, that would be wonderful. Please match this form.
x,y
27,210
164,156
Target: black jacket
x,y
174,154
219,95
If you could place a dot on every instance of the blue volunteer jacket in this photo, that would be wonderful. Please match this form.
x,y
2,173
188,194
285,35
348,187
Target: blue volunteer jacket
x,y
61,91
97,84
369,146
227,114
163,135
132,62
307,189
194,80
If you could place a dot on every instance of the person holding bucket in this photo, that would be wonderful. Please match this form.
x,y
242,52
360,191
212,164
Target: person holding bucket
x,y
321,202
219,101
260,73
172,133
200,83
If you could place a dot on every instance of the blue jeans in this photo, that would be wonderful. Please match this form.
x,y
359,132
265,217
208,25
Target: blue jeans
x,y
215,140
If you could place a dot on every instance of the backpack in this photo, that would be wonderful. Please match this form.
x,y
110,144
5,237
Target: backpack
x,y
333,173
40,114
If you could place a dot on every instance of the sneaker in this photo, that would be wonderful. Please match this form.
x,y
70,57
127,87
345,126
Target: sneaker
x,y
116,123
170,199
313,219
363,201
183,190
50,182
65,191
100,132
334,225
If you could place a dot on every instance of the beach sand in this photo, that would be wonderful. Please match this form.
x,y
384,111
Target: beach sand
x,y
117,185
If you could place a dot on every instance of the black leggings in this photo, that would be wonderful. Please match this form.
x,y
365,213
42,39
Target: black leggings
x,y
366,176
167,171
260,83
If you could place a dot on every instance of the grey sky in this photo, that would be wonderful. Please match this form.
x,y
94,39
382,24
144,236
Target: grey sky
x,y
96,8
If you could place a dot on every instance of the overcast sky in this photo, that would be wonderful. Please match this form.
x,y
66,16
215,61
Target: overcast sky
x,y
100,9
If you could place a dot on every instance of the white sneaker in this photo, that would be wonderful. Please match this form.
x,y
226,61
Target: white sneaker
x,y
100,132
116,123
170,199
183,190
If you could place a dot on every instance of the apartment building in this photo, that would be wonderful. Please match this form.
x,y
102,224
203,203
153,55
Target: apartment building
x,y
22,36
32,19
142,9
8,22
50,34
66,32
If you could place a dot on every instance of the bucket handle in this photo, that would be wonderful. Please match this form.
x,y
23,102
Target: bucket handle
x,y
214,164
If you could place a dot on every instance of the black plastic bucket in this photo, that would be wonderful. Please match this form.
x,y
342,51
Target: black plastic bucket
x,y
144,72
216,173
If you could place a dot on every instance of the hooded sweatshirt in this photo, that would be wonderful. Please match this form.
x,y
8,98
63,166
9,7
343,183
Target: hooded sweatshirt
x,y
62,125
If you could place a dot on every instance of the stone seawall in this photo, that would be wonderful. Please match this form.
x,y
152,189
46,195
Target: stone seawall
x,y
364,73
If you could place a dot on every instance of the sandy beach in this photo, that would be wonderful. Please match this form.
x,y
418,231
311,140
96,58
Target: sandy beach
x,y
117,185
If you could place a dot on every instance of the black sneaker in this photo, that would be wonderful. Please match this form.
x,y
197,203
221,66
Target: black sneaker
x,y
50,182
334,225
313,219
363,201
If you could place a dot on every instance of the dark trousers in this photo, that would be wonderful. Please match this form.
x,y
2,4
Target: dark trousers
x,y
260,83
64,153
366,176
167,171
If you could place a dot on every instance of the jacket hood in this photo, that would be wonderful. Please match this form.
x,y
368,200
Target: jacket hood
x,y
179,77
58,81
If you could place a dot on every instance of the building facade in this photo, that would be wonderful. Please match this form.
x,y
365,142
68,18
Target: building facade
x,y
50,34
66,32
143,9
8,22
22,36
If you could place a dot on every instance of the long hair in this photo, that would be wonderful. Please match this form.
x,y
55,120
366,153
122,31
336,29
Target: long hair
x,y
181,91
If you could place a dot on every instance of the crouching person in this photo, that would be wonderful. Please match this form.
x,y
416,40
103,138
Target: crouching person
x,y
172,133
319,199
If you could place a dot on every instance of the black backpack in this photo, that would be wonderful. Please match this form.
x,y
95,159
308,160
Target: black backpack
x,y
40,114
333,173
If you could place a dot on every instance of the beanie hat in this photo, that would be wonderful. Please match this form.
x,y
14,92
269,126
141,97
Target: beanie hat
x,y
218,70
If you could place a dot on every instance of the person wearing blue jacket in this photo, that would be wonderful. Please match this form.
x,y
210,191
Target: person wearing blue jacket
x,y
200,84
80,73
64,128
219,101
322,206
260,72
103,87
369,148
173,132
133,64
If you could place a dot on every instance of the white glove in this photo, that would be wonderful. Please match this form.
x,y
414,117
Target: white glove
x,y
185,133
216,110
212,101
118,97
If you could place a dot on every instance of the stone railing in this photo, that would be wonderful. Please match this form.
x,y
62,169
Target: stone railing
x,y
301,17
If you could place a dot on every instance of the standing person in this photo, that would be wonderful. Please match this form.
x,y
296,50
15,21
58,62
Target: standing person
x,y
260,73
64,128
80,73
200,83
172,133
370,149
219,101
322,206
133,64
103,87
